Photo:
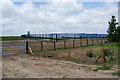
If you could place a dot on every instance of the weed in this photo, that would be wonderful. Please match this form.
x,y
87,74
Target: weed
x,y
116,74
104,67
90,53
108,52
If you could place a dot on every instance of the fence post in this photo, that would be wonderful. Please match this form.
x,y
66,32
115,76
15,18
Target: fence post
x,y
27,47
87,41
92,41
41,45
56,37
64,43
73,44
54,45
105,40
101,39
97,40
81,41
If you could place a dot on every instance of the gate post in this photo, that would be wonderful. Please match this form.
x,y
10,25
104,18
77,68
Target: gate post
x,y
26,47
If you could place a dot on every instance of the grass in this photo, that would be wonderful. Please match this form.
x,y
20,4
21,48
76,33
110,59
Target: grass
x,y
104,67
116,74
90,53
12,38
109,44
96,51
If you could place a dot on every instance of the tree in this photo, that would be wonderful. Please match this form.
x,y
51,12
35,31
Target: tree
x,y
112,29
118,34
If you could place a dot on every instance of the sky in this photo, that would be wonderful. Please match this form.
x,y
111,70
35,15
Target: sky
x,y
56,17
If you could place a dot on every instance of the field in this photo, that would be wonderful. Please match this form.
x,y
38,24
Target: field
x,y
82,55
11,38
61,63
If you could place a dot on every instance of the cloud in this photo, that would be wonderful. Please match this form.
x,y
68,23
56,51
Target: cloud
x,y
55,17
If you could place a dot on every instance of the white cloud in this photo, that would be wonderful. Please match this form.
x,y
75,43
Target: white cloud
x,y
55,17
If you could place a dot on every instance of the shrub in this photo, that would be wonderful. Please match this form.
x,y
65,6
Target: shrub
x,y
107,52
90,53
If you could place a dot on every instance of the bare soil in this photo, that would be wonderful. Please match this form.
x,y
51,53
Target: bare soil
x,y
26,66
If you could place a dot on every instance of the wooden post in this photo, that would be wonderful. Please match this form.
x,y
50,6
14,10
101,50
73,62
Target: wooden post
x,y
101,39
73,44
27,47
98,58
81,41
102,55
92,41
56,37
87,40
41,46
97,40
30,50
40,37
105,40
54,45
64,43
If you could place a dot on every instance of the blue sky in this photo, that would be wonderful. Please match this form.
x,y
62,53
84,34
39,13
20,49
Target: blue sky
x,y
87,4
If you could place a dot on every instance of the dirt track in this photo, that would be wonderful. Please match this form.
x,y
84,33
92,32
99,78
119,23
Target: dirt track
x,y
24,66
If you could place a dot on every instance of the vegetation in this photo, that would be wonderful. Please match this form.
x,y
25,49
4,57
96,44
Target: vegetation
x,y
116,74
12,38
90,53
108,52
113,30
104,67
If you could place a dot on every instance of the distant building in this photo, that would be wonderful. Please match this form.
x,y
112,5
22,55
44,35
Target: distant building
x,y
64,35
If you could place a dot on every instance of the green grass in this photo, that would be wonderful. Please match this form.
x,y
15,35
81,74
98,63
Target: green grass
x,y
12,38
112,60
109,44
104,67
116,74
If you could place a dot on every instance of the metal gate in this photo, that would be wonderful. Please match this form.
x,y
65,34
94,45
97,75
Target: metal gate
x,y
13,47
